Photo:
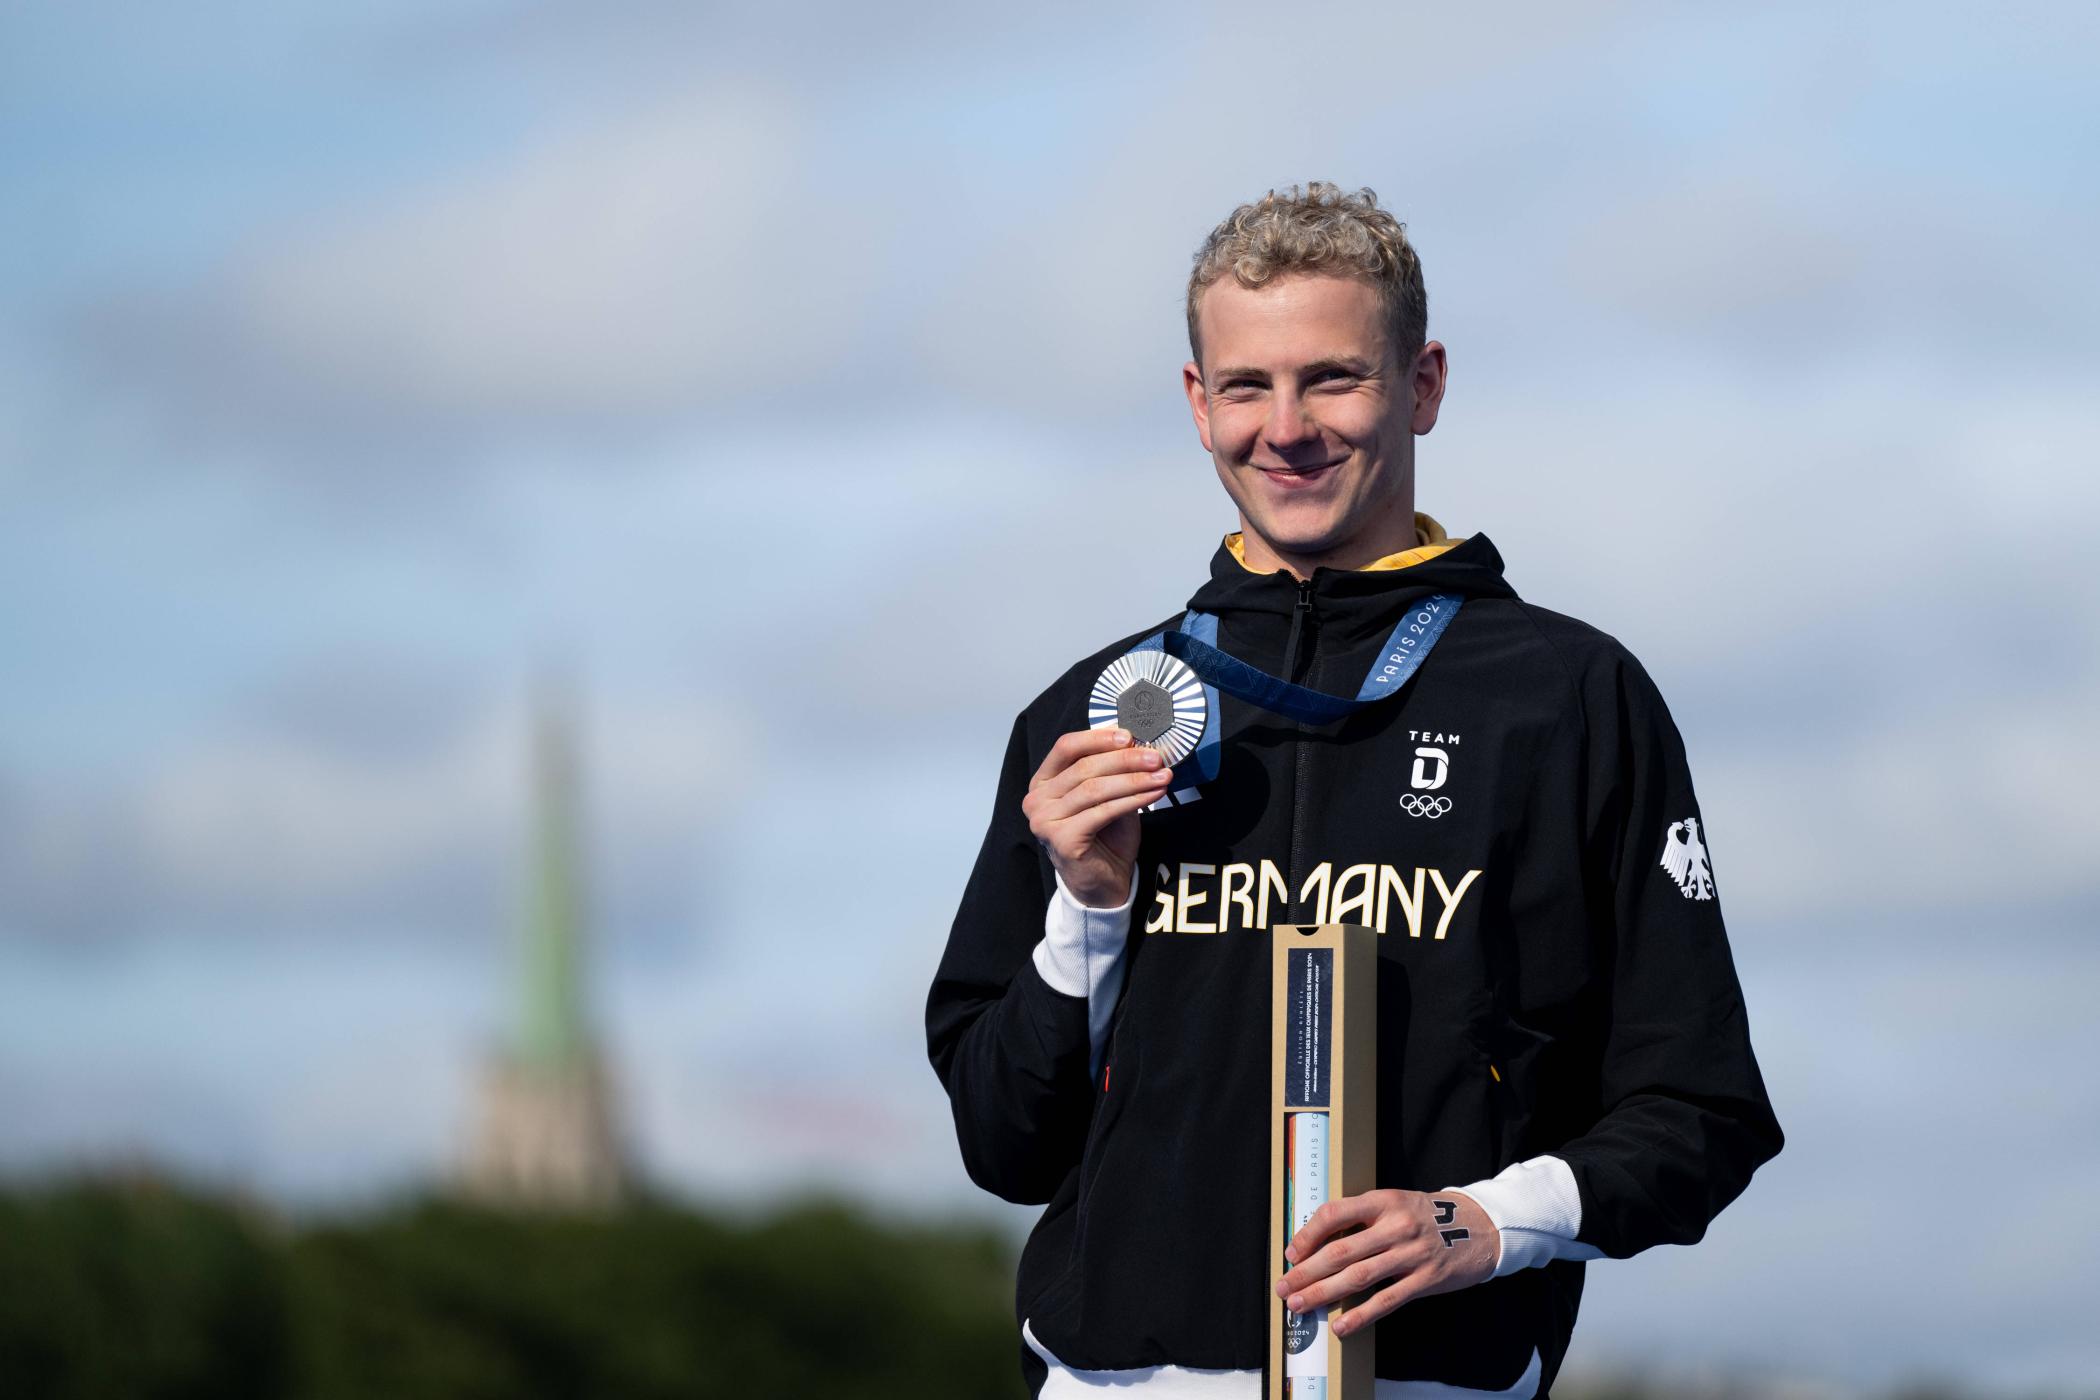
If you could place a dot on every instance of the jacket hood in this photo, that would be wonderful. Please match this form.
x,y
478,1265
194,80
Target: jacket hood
x,y
1354,607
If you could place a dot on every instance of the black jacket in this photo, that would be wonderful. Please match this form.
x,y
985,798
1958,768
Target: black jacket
x,y
1549,983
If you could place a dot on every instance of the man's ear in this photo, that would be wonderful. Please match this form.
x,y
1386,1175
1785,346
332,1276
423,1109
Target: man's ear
x,y
1199,401
1430,377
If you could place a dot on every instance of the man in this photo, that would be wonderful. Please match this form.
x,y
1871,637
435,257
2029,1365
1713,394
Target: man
x,y
1565,1064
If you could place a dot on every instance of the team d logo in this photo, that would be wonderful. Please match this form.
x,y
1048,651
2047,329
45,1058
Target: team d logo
x,y
1432,767
1684,856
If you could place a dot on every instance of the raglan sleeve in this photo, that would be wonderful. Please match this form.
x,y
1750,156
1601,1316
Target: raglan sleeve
x,y
1686,1118
1012,1050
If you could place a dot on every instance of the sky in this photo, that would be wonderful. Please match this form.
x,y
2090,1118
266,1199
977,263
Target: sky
x,y
805,385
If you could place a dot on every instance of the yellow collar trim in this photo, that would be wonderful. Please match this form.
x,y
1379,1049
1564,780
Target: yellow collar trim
x,y
1430,537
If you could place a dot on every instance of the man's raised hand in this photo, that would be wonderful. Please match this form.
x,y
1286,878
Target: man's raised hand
x,y
1083,803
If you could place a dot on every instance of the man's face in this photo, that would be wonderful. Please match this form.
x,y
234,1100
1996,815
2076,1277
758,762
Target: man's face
x,y
1310,420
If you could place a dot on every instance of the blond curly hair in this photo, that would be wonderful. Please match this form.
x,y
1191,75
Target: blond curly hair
x,y
1325,230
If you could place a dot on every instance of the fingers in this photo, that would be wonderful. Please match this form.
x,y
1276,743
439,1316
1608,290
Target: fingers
x,y
1396,1242
1127,758
1413,1285
1334,1256
1090,778
1085,824
1045,809
1076,745
1350,1280
1384,1238
1341,1213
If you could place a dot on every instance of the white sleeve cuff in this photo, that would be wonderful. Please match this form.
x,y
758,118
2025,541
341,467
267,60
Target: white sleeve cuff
x,y
1081,955
1537,1211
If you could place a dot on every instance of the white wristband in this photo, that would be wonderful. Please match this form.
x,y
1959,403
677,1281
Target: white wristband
x,y
1536,1210
1081,955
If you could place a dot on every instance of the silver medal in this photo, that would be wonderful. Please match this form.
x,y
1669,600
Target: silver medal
x,y
1156,697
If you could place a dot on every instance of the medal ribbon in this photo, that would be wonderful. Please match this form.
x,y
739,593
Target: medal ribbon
x,y
1195,642
1413,638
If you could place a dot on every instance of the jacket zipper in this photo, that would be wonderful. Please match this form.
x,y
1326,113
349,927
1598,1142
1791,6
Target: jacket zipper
x,y
1299,613
1299,610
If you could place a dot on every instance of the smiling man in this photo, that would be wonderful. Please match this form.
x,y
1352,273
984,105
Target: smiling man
x,y
1310,414
1565,1063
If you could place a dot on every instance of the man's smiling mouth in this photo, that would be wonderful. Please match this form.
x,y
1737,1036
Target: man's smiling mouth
x,y
1297,473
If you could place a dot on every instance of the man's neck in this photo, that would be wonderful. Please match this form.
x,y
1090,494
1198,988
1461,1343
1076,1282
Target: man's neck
x,y
1393,534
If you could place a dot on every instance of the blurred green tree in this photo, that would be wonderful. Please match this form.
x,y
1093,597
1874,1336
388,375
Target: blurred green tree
x,y
144,1290
138,1289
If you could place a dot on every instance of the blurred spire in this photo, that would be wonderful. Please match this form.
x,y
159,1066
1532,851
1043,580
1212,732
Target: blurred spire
x,y
552,1034
546,1136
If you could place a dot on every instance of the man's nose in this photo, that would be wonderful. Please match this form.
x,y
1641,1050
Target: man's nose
x,y
1289,424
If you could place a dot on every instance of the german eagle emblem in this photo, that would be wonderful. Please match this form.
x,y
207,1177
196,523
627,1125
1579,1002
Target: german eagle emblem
x,y
1684,856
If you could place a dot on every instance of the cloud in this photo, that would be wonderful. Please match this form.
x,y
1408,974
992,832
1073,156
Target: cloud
x,y
1976,807
679,254
1781,256
642,262
305,826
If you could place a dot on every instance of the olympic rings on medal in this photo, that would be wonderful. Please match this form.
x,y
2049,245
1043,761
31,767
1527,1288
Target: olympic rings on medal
x,y
1416,805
